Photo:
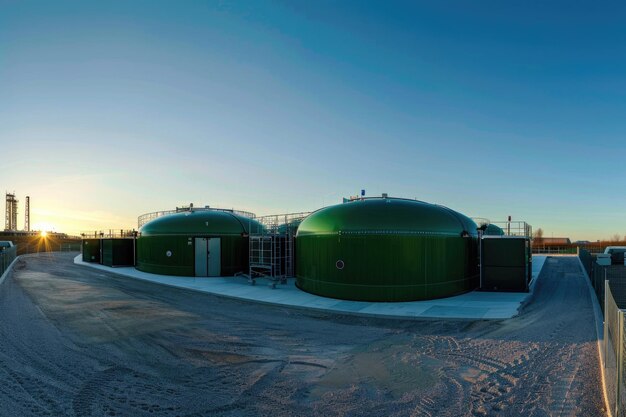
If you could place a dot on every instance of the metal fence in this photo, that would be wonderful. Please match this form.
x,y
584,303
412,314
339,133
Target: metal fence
x,y
70,247
598,274
6,257
609,284
515,228
616,275
554,250
587,259
595,248
614,350
39,247
109,234
598,278
539,247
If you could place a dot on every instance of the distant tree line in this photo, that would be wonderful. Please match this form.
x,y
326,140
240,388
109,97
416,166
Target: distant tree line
x,y
538,234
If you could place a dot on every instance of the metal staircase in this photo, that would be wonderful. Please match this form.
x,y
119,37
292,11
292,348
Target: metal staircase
x,y
272,248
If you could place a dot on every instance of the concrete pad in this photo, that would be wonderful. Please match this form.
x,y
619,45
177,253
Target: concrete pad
x,y
474,305
456,311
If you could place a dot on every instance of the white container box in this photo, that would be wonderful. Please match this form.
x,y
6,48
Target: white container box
x,y
603,259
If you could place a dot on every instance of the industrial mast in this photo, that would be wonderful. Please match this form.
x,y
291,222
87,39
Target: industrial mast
x,y
27,215
10,220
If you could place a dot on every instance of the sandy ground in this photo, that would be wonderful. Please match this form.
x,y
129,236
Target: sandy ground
x,y
79,342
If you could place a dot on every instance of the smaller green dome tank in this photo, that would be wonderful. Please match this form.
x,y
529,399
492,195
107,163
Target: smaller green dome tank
x,y
166,244
292,227
493,230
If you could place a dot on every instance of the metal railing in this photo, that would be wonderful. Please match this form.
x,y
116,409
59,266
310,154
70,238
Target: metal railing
x,y
515,228
275,221
6,257
109,234
271,248
145,218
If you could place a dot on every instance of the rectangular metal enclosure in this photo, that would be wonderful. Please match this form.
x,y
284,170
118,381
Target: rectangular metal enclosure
x,y
91,250
118,252
505,263
208,257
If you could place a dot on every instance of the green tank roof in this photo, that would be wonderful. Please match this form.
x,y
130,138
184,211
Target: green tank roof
x,y
201,222
293,226
387,216
493,230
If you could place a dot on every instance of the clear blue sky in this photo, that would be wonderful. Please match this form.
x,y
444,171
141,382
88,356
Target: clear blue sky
x,y
112,109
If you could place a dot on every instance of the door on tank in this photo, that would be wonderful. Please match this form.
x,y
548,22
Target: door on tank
x,y
208,257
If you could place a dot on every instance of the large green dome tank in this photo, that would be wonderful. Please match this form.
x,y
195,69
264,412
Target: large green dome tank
x,y
387,249
172,244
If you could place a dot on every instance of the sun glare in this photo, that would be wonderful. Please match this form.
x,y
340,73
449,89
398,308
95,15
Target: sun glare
x,y
44,228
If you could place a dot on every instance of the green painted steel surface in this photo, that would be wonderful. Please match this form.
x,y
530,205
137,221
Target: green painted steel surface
x,y
166,245
152,255
91,250
199,223
387,250
493,230
118,252
385,216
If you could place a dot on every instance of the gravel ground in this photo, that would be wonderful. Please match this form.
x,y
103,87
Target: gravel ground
x,y
79,342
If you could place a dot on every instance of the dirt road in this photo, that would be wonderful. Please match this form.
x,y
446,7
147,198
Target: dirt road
x,y
79,342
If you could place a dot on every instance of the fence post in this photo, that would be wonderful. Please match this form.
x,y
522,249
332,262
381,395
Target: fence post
x,y
606,321
620,332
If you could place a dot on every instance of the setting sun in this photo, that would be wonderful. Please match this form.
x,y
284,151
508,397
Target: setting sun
x,y
44,228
